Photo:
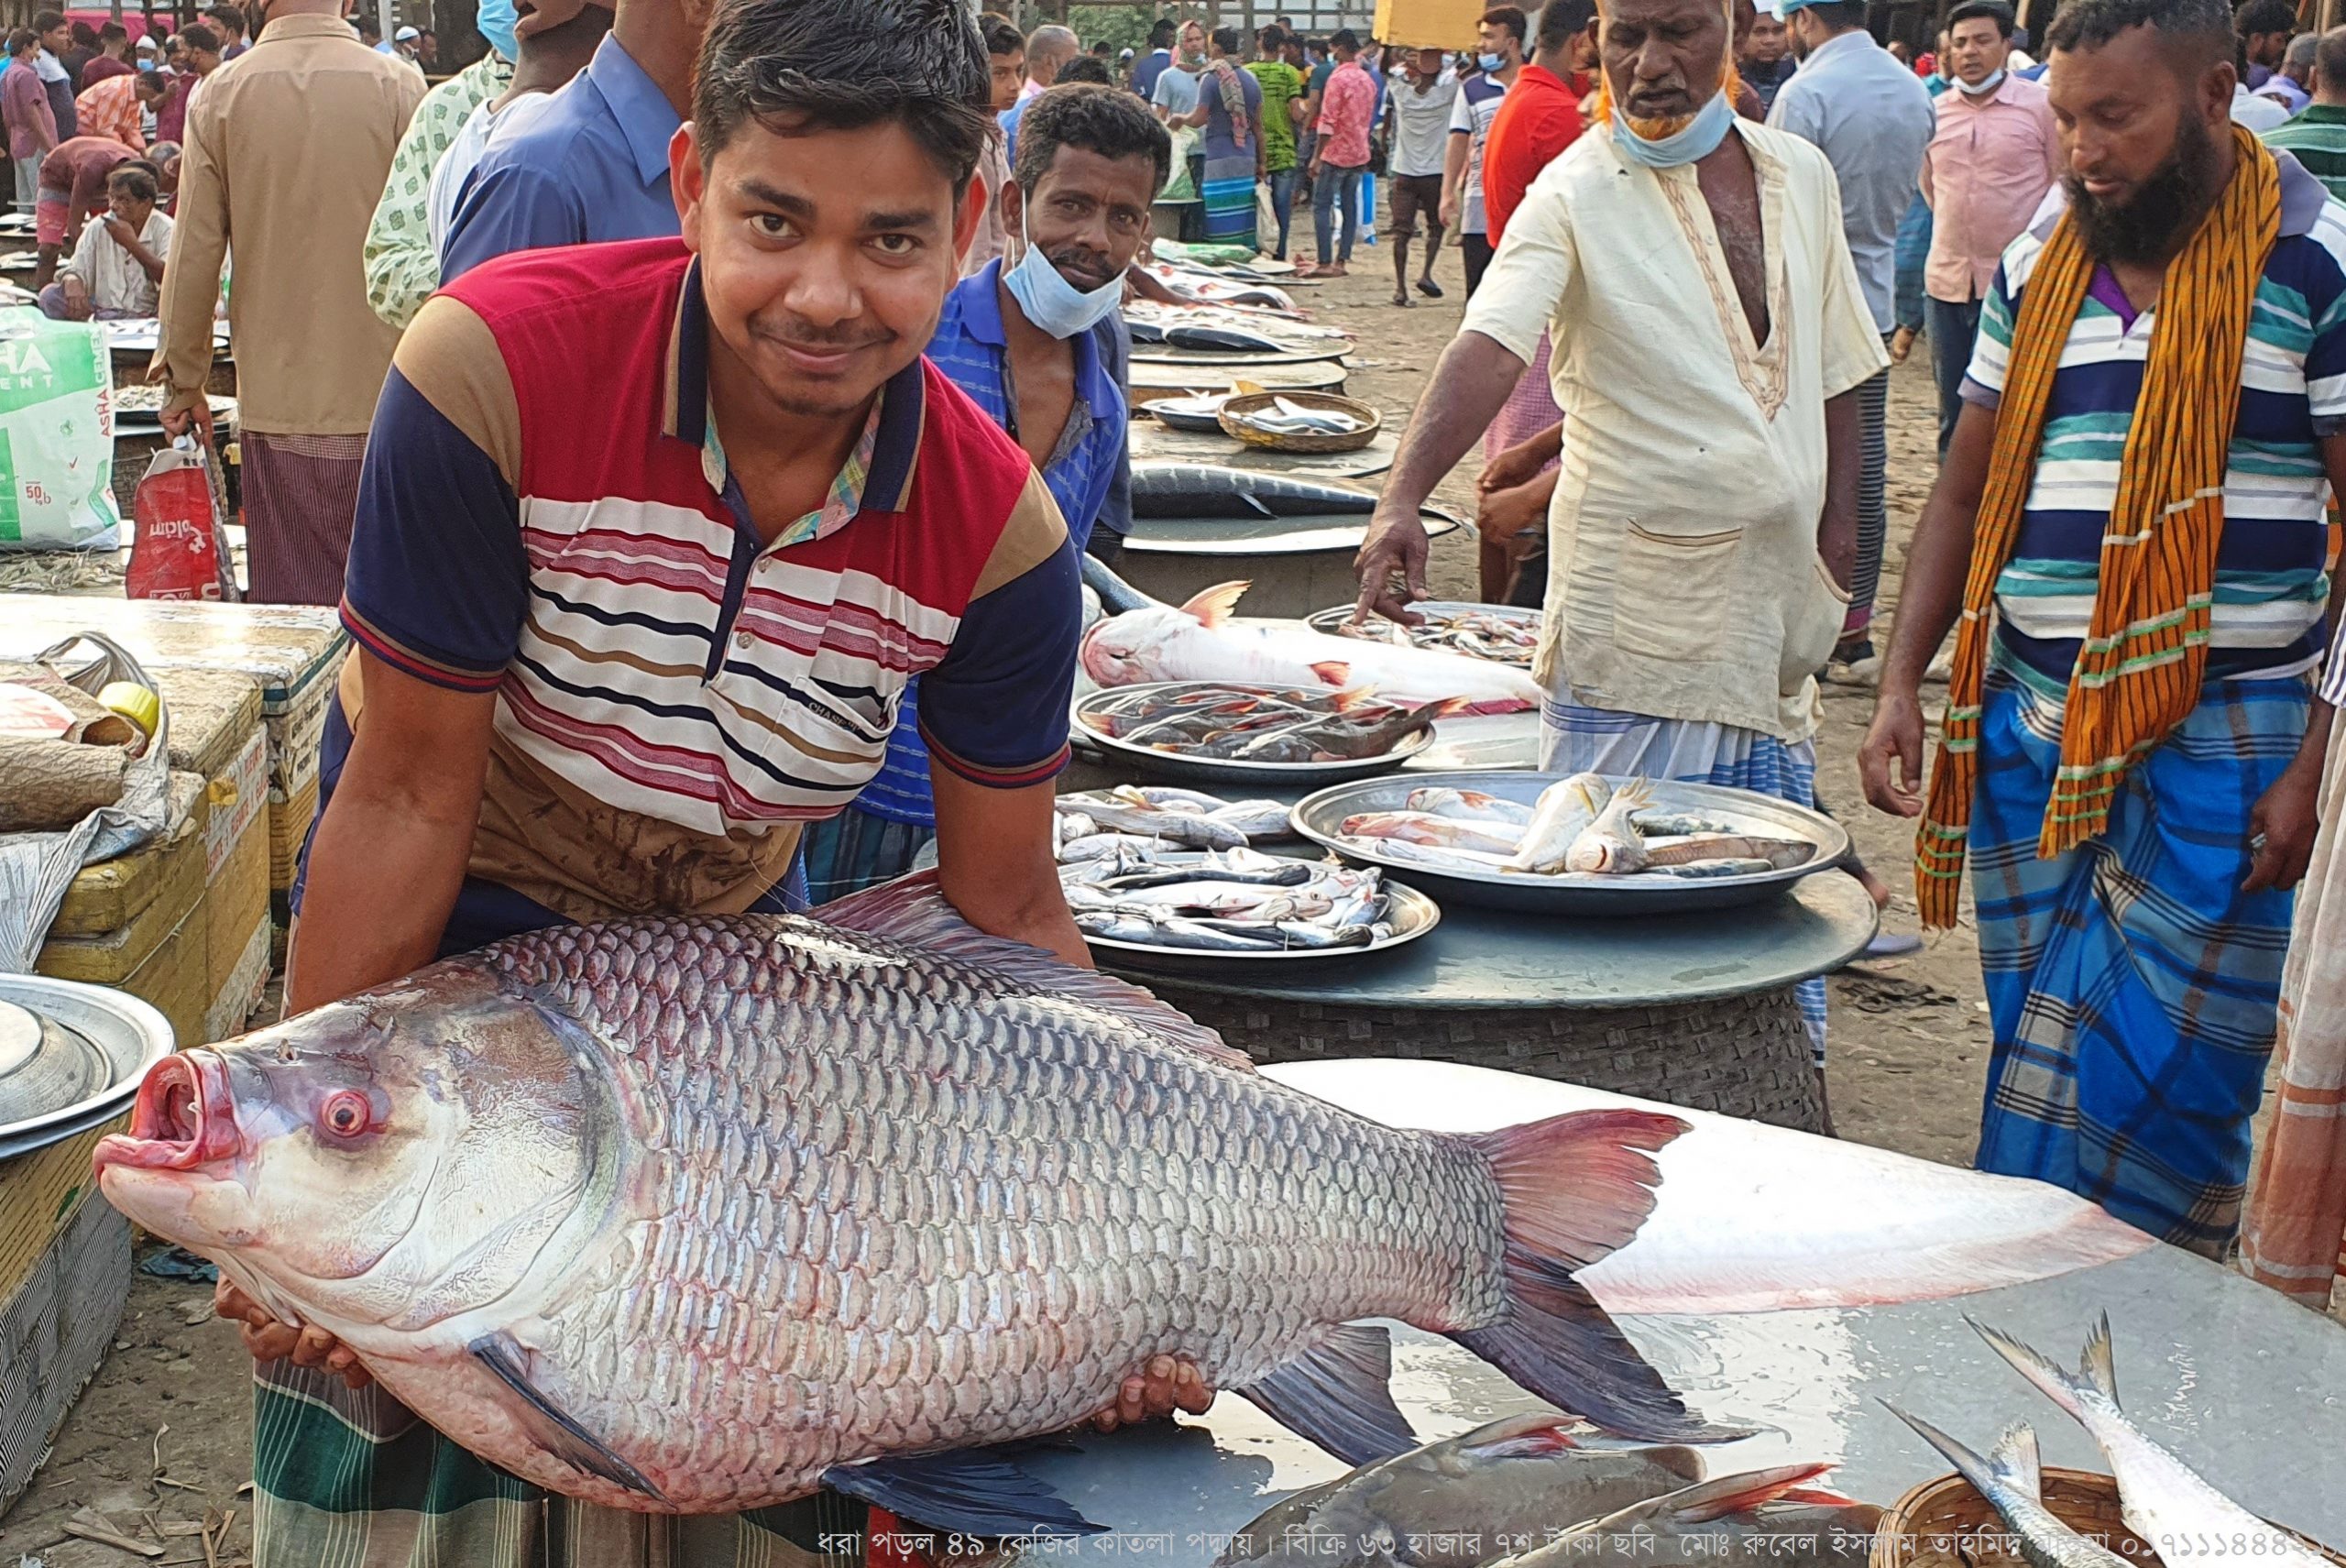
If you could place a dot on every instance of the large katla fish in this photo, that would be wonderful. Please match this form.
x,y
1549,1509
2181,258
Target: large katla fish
x,y
698,1215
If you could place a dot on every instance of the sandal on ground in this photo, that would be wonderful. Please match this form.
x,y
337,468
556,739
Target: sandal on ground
x,y
1430,289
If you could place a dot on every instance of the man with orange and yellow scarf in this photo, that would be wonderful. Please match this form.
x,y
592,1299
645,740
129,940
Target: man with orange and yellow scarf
x,y
2129,531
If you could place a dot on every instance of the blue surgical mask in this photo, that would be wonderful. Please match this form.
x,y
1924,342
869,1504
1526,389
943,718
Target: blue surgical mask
x,y
495,23
1985,87
1050,301
1700,138
1491,61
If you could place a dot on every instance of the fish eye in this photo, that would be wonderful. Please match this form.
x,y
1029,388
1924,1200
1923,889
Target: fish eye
x,y
345,1113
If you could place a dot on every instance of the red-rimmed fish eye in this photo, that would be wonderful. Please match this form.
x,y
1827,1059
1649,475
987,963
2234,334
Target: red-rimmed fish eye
x,y
345,1113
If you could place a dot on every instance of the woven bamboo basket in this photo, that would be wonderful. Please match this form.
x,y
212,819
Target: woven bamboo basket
x,y
1246,402
1946,1524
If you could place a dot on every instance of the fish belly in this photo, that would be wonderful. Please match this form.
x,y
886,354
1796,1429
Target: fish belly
x,y
887,1203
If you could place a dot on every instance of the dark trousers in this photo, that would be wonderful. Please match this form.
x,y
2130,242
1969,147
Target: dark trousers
x,y
1476,250
1952,329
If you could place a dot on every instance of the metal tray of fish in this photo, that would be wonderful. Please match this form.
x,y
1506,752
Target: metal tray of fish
x,y
1589,894
1409,913
1334,620
1175,767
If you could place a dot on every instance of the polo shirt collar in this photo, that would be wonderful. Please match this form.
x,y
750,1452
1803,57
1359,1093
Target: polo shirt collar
x,y
2322,115
2302,199
643,114
1834,48
895,437
982,319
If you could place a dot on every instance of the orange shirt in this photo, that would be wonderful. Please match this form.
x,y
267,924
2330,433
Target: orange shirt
x,y
110,109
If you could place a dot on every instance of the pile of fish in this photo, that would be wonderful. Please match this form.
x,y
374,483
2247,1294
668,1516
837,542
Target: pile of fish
x,y
1226,326
1188,490
2168,1506
1286,417
1544,1489
1262,724
1200,641
1144,819
1581,826
1235,902
1483,633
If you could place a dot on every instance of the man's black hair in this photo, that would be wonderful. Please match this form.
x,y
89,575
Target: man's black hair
x,y
229,17
153,82
1162,32
23,38
200,37
2260,16
1512,19
1097,119
1561,21
1225,39
2204,25
110,31
1343,38
137,180
1088,67
48,21
1003,39
1104,49
84,35
803,65
1839,16
1995,11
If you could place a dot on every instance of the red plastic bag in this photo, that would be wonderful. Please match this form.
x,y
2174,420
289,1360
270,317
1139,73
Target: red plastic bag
x,y
178,551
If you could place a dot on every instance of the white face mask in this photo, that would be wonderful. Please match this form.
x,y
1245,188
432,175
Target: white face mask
x,y
1050,301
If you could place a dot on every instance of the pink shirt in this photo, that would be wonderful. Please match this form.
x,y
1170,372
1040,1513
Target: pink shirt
x,y
1346,106
1988,164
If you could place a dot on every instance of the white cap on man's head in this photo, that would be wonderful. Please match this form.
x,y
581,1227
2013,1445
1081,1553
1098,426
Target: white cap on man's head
x,y
146,43
405,35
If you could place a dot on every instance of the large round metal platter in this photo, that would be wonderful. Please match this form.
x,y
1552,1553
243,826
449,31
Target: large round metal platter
x,y
1199,415
1410,914
72,1056
1334,620
1318,816
1177,768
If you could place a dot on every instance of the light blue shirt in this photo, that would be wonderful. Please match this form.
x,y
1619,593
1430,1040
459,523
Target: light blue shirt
x,y
591,166
1872,118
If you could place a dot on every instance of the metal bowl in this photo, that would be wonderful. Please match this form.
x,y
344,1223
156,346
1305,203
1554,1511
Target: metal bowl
x,y
1332,619
1318,816
1173,767
1170,413
60,1032
1412,915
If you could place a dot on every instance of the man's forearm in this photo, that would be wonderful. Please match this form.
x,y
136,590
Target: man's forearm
x,y
383,876
1836,528
1471,383
1930,594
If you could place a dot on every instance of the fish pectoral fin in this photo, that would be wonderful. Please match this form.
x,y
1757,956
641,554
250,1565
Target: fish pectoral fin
x,y
552,1427
1336,1394
968,1492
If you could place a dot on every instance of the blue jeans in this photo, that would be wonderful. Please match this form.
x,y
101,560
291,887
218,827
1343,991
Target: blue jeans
x,y
1336,188
1952,330
1283,186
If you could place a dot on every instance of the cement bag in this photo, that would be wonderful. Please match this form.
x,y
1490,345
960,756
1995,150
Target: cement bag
x,y
56,435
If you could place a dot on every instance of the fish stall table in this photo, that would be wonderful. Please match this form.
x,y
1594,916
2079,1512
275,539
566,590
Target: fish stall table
x,y
2244,1385
1696,1009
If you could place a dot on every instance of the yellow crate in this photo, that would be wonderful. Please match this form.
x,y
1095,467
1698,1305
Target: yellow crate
x,y
163,963
38,1193
1427,24
289,824
234,998
133,899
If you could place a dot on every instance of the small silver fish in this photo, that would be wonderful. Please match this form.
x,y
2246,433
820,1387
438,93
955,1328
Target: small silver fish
x,y
1161,930
1440,832
1564,811
1097,846
2011,1480
1780,854
1699,869
1609,845
1255,818
1470,804
1175,826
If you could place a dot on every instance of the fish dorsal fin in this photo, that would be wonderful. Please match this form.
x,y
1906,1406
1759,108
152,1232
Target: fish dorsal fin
x,y
1707,1501
2014,1459
912,910
2098,1366
1213,605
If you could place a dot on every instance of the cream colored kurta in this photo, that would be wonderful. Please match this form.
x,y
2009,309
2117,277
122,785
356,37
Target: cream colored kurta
x,y
1683,580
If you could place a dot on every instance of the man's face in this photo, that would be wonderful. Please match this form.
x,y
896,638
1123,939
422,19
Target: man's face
x,y
204,61
1008,72
825,258
149,96
2137,133
1492,39
1664,59
2263,49
1426,63
1976,50
177,56
1193,41
1766,43
1088,215
58,39
129,209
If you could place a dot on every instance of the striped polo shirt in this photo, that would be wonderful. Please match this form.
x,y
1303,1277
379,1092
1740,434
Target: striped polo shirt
x,y
2270,584
2316,137
547,514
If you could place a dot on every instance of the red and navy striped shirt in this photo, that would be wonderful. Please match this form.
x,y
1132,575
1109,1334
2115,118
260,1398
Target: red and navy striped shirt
x,y
544,516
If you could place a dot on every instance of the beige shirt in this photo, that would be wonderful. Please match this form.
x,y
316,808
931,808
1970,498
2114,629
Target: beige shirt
x,y
288,147
1683,580
114,276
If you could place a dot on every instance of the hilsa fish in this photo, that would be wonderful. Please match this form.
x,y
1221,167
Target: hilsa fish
x,y
1611,845
696,1215
2170,1506
1199,642
1564,811
2013,1481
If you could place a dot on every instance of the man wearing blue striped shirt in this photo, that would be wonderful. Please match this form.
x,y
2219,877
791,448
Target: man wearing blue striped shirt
x,y
1040,346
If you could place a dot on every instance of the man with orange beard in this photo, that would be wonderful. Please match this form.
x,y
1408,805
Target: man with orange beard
x,y
1708,331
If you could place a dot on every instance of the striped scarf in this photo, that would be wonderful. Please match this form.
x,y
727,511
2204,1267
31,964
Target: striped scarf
x,y
2140,670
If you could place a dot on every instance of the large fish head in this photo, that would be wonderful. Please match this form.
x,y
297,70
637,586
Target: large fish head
x,y
1129,650
379,1165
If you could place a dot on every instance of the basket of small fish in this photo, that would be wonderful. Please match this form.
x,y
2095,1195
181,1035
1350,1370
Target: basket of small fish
x,y
1214,732
1503,633
1186,911
1581,845
1299,421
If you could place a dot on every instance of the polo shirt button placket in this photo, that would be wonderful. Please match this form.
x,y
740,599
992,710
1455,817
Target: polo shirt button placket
x,y
742,640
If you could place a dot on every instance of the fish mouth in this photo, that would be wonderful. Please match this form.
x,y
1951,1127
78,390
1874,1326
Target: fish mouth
x,y
183,1118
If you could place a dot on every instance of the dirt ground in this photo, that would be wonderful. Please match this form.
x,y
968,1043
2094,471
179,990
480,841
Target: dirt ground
x,y
161,1437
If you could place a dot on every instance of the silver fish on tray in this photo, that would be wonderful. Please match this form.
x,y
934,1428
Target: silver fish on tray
x,y
2011,1478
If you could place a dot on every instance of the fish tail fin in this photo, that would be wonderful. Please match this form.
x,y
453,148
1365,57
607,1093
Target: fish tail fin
x,y
1576,1188
1351,699
2013,1464
2098,1366
1213,605
2051,1379
1708,1500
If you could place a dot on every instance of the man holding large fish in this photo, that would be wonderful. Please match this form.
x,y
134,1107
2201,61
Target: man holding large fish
x,y
1708,334
609,664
